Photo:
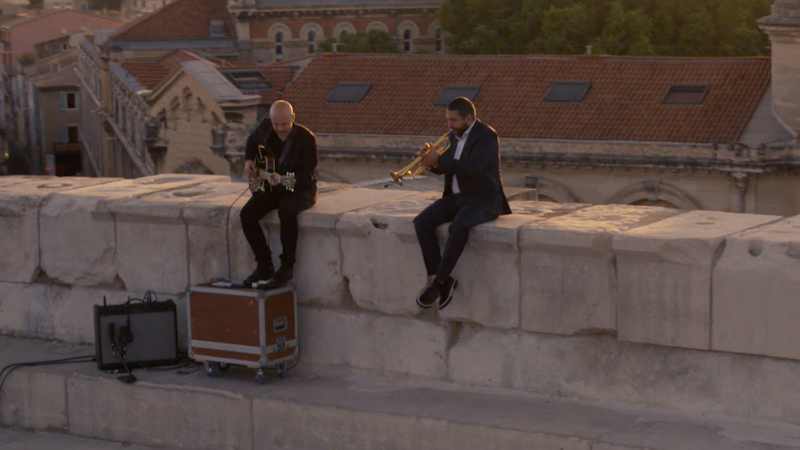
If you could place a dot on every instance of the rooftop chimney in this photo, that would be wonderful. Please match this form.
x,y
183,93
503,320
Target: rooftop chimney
x,y
783,27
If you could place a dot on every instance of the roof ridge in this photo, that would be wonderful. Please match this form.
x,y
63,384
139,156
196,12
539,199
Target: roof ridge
x,y
51,12
542,56
146,17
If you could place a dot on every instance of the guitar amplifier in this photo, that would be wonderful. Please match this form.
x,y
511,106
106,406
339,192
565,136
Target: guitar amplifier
x,y
144,334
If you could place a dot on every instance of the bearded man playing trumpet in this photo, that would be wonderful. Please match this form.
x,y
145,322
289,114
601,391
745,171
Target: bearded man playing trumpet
x,y
473,194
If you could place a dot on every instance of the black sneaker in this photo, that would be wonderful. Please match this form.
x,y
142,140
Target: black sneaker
x,y
281,278
447,289
262,273
428,296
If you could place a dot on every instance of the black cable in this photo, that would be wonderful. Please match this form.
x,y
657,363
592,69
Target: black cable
x,y
7,370
227,240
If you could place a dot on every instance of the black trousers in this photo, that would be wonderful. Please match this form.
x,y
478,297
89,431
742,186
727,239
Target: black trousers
x,y
289,205
463,216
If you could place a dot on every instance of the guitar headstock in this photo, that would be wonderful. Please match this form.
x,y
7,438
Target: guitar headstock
x,y
289,180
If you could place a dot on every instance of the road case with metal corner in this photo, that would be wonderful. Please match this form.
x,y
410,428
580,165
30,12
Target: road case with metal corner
x,y
247,327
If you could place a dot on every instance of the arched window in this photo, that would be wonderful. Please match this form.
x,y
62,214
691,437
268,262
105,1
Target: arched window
x,y
438,40
343,34
279,45
407,40
312,42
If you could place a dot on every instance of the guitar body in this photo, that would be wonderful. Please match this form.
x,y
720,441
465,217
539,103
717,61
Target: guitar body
x,y
265,165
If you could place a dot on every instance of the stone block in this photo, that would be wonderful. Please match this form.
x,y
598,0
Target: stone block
x,y
63,313
152,248
78,234
755,286
384,264
382,259
329,427
664,276
515,194
568,281
318,272
34,399
386,345
602,368
19,223
188,417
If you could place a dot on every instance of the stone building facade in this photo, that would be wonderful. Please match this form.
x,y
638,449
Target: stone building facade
x,y
273,31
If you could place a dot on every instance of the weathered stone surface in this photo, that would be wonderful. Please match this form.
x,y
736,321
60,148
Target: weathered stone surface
x,y
378,240
64,313
568,281
602,368
209,244
755,292
312,426
382,259
152,248
188,417
34,400
514,194
664,276
19,223
78,234
387,345
318,271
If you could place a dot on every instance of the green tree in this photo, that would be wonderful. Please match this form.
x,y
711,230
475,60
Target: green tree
x,y
373,41
626,32
563,30
634,27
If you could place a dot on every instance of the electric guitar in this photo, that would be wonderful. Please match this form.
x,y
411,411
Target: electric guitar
x,y
265,165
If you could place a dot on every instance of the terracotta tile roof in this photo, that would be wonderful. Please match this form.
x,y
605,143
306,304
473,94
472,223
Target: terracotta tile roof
x,y
150,74
278,78
623,103
181,19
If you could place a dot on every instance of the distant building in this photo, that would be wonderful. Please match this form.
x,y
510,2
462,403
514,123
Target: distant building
x,y
274,30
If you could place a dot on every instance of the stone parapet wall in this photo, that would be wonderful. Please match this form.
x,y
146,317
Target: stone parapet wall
x,y
694,311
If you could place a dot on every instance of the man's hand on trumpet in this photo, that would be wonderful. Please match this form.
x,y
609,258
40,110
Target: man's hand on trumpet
x,y
429,156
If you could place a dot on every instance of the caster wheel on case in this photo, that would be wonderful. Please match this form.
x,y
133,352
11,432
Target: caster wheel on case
x,y
260,376
212,369
224,367
282,371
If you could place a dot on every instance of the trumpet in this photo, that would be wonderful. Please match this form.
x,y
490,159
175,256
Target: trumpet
x,y
441,145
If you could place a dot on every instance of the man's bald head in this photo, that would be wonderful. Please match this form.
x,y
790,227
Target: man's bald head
x,y
281,114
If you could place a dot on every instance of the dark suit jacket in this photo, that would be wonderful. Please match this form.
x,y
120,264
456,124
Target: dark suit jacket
x,y
301,159
478,170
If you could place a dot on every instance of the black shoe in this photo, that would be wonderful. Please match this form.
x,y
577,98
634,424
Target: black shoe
x,y
262,273
447,289
281,278
428,296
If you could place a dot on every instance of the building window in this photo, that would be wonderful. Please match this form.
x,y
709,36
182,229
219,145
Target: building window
x,y
72,134
279,45
312,42
685,94
68,100
567,91
407,40
438,40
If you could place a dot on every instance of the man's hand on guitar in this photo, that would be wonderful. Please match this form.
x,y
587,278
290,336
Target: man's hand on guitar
x,y
250,169
274,179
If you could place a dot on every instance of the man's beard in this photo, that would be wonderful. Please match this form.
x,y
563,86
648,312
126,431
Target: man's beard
x,y
460,131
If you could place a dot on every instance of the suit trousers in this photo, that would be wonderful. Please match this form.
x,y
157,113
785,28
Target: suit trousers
x,y
463,216
289,206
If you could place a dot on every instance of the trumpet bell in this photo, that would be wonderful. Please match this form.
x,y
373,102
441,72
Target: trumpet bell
x,y
440,146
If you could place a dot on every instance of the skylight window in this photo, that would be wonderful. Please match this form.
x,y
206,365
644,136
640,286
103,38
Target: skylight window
x,y
567,91
252,80
348,92
685,94
451,92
